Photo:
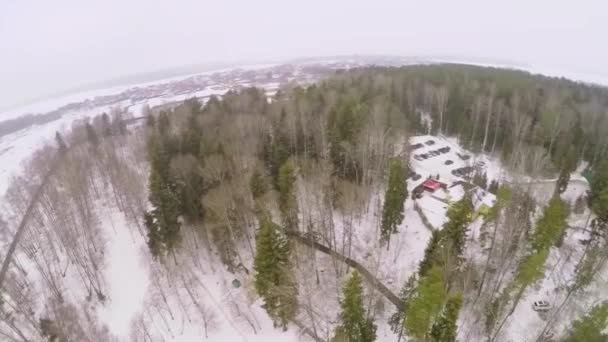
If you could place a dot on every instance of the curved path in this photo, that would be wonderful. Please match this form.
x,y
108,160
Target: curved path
x,y
354,264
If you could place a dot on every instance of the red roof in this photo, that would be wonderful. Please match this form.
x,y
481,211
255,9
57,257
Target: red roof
x,y
431,184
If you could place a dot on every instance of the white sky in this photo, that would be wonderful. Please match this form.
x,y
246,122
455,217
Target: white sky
x,y
49,46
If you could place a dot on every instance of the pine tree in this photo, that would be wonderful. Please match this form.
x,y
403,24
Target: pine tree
x,y
430,253
405,296
63,148
92,137
275,152
598,195
444,329
344,124
154,239
480,179
354,325
459,216
493,187
579,205
590,327
551,226
394,198
106,127
163,224
426,303
273,278
257,185
288,202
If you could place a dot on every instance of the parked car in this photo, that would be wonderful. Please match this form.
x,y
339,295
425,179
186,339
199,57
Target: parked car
x,y
541,305
448,162
424,156
464,156
417,157
445,149
416,177
430,142
416,146
480,163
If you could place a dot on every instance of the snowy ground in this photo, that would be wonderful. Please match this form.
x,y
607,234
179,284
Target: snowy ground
x,y
235,314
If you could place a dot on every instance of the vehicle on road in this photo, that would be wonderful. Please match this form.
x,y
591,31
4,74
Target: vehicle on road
x,y
541,305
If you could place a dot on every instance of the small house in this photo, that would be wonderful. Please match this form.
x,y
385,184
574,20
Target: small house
x,y
432,185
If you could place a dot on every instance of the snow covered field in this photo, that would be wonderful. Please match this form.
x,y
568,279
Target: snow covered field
x,y
144,302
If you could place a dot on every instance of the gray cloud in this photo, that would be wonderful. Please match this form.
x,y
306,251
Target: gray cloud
x,y
50,46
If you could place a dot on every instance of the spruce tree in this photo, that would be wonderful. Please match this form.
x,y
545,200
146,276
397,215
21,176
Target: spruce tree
x,y
426,303
598,193
493,187
106,127
551,226
63,148
394,198
92,137
257,185
405,296
163,224
354,325
154,239
444,329
454,231
430,253
590,327
288,202
273,272
344,125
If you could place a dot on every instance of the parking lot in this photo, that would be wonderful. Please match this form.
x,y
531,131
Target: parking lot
x,y
437,156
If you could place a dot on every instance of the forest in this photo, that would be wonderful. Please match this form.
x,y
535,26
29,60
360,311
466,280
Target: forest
x,y
304,197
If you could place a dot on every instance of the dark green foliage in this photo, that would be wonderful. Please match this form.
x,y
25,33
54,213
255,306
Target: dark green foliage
x,y
288,202
598,195
481,180
163,125
591,327
548,232
166,211
275,152
394,199
551,225
257,185
92,137
106,125
427,303
344,126
405,296
493,187
588,267
492,309
63,148
154,238
431,253
454,231
444,329
162,224
273,272
150,121
354,325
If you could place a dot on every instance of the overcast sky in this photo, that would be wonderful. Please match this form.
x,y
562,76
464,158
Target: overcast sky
x,y
49,46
